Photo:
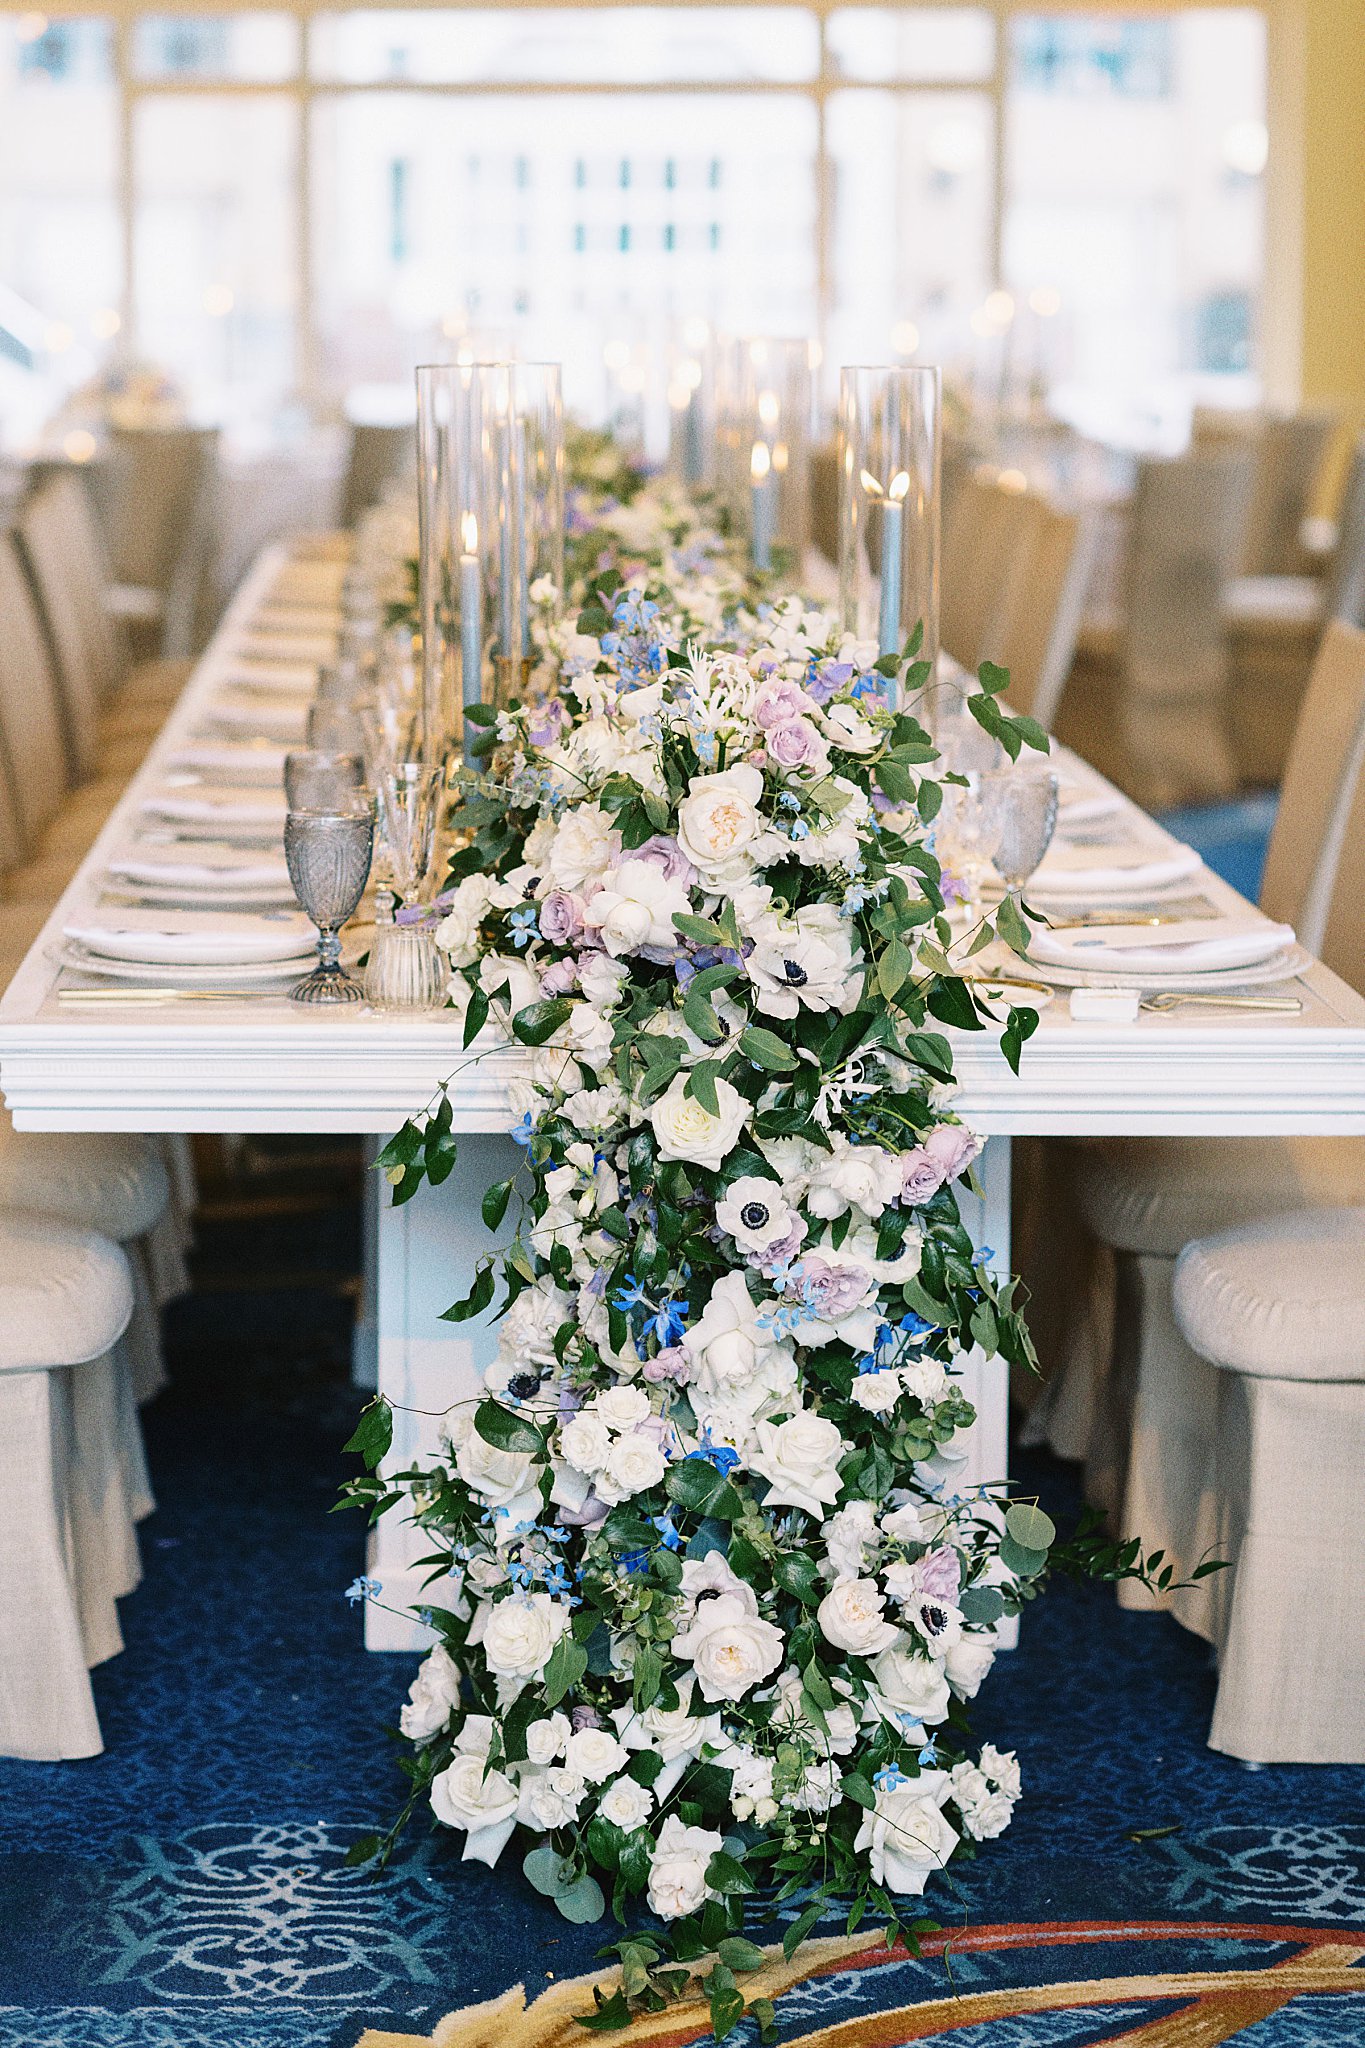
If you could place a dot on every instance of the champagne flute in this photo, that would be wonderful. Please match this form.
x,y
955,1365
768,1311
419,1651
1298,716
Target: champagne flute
x,y
1025,802
328,855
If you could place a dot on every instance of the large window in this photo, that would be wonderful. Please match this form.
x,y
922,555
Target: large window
x,y
279,204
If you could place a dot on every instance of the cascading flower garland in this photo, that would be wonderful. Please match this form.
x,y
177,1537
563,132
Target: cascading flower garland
x,y
713,1602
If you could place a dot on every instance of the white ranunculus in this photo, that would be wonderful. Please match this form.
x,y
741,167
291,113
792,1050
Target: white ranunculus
x,y
756,1213
684,1130
545,1739
626,1804
622,1407
906,1835
595,1754
601,979
1001,1766
911,1687
501,970
484,1803
800,1460
550,1799
719,819
585,1441
852,1617
635,1462
520,1634
730,1649
584,844
986,1809
850,1539
634,907
967,1662
677,1873
432,1697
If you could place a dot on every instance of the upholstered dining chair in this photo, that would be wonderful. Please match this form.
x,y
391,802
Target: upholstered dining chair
x,y
65,1525
1289,453
1152,1400
375,456
156,495
1185,530
1034,633
985,534
1276,1311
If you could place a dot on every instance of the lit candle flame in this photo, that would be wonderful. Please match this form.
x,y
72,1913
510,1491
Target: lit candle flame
x,y
469,533
870,484
769,408
900,485
760,461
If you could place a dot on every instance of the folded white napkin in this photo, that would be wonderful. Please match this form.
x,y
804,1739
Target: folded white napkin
x,y
275,617
1193,947
284,644
225,872
235,763
289,678
196,938
1080,873
219,807
276,721
1087,810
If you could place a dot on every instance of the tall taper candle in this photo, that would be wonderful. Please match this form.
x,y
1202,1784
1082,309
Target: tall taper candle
x,y
471,613
763,503
893,521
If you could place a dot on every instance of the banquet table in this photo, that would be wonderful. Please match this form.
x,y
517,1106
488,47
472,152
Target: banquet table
x,y
259,1063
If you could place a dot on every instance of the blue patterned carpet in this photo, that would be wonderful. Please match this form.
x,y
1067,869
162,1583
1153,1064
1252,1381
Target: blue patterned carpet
x,y
1231,837
188,1890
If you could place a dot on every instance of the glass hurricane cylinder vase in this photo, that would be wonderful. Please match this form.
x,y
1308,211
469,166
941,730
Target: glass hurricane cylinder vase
x,y
763,446
889,461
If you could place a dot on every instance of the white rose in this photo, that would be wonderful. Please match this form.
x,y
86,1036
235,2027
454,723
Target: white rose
x,y
967,1662
595,1754
634,1464
498,1477
850,1538
626,1804
475,1735
730,1649
458,932
485,1804
756,1213
684,1130
852,1617
674,1732
499,970
635,906
1001,1766
726,1346
719,818
585,1441
600,978
926,1379
906,1834
583,846
432,1696
545,1739
677,1873
800,1460
550,1799
913,1688
520,1635
622,1406
877,1392
865,1177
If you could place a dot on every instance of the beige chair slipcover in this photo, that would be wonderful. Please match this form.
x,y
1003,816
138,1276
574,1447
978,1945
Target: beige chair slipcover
x,y
1131,1398
65,1299
1278,1310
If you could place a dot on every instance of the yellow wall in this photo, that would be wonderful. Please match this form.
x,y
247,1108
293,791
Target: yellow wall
x,y
1333,202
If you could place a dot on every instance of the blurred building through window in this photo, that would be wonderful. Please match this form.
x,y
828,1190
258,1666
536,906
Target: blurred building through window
x,y
278,206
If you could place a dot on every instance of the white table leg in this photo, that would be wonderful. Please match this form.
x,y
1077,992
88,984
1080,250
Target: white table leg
x,y
425,1254
986,1381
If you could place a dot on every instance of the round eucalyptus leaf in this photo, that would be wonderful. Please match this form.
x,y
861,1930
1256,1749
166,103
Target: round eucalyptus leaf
x,y
582,1900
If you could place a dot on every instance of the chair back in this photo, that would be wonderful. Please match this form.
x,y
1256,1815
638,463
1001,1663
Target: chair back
x,y
981,541
1186,524
1342,944
1036,633
1346,583
1289,456
1318,788
152,487
377,454
55,532
33,752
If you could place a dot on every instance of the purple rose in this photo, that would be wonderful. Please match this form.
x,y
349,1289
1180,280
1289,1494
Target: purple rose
x,y
668,1364
778,1255
664,853
947,1151
938,1574
585,1717
561,918
831,1290
559,979
796,745
779,702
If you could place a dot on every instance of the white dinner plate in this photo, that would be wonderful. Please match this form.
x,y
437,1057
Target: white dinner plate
x,y
161,974
232,762
1286,966
194,938
258,717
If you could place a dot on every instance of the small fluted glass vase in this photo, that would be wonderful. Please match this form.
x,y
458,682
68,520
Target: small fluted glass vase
x,y
406,970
